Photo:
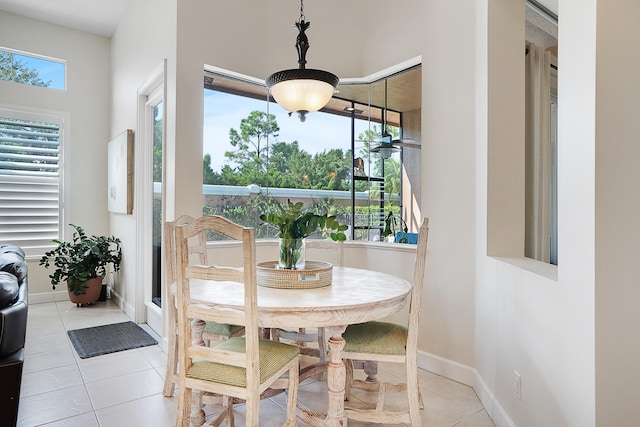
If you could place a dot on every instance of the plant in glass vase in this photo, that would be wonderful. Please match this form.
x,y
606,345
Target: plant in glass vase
x,y
294,225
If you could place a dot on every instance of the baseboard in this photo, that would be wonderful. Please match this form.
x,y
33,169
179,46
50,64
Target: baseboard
x,y
447,368
469,376
491,405
116,298
45,297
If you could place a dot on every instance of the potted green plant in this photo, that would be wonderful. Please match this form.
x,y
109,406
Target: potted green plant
x,y
294,225
83,263
392,224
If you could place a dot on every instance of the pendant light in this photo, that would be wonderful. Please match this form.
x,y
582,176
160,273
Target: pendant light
x,y
386,148
302,90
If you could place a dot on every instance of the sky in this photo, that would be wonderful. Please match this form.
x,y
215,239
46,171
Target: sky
x,y
48,70
320,131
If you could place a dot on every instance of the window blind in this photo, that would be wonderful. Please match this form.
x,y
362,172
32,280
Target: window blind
x,y
29,184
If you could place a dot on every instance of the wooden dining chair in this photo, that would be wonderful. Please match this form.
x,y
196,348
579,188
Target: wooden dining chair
x,y
329,251
389,342
213,332
241,367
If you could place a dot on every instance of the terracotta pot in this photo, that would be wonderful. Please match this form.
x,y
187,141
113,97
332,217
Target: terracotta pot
x,y
90,295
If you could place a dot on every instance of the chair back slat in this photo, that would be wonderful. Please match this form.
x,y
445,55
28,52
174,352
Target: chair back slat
x,y
221,315
210,354
214,272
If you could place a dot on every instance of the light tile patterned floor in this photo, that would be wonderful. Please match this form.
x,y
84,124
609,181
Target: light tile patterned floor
x,y
125,389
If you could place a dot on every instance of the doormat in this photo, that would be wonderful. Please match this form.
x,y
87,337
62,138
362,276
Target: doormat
x,y
98,340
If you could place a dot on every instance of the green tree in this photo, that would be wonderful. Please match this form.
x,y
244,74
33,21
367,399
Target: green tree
x,y
392,173
250,152
331,169
157,145
208,175
14,70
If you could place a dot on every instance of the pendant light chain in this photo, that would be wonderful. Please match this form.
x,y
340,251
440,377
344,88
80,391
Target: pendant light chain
x,y
302,10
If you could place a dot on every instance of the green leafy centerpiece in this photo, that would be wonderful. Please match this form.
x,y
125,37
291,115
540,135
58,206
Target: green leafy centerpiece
x,y
294,225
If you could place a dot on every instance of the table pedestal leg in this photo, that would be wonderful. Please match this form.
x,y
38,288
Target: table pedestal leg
x,y
336,378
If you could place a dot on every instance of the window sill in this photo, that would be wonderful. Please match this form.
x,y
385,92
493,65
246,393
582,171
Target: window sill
x,y
400,247
546,270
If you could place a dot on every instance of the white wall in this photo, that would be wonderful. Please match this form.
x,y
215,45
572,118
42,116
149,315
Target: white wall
x,y
531,317
614,38
86,101
448,187
144,38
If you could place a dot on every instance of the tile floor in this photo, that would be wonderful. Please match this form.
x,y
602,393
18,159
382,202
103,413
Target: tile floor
x,y
125,389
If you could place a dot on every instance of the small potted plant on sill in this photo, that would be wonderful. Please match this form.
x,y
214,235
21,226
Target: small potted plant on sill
x,y
82,263
294,225
395,228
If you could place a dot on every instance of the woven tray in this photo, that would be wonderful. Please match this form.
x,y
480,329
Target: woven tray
x,y
316,274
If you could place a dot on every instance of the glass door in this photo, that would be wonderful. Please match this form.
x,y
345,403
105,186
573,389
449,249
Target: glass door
x,y
157,134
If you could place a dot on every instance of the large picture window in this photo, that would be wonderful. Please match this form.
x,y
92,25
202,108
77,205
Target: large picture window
x,y
256,155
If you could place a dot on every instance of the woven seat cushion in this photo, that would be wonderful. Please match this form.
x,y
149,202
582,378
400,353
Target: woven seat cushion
x,y
376,338
222,329
273,356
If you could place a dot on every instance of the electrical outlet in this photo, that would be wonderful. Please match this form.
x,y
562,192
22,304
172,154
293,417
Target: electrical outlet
x,y
517,384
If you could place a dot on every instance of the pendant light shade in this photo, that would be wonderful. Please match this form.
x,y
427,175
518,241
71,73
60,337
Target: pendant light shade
x,y
302,90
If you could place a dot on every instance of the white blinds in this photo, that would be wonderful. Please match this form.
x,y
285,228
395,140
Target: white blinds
x,y
29,184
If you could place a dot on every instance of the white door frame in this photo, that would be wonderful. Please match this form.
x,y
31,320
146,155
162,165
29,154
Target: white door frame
x,y
150,94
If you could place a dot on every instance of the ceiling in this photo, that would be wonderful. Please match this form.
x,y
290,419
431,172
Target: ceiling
x,y
94,16
99,16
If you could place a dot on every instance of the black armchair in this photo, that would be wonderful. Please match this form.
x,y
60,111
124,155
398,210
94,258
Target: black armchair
x,y
13,328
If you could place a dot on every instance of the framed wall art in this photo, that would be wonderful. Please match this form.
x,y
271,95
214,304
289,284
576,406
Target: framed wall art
x,y
120,173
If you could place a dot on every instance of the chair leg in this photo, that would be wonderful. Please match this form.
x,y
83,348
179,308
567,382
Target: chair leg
x,y
414,403
321,344
252,406
420,401
370,368
184,407
292,392
413,393
172,367
228,407
348,367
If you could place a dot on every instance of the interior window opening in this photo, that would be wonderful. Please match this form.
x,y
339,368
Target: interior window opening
x,y
541,122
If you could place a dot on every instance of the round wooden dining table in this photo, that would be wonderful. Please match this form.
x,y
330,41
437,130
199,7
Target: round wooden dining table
x,y
354,296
